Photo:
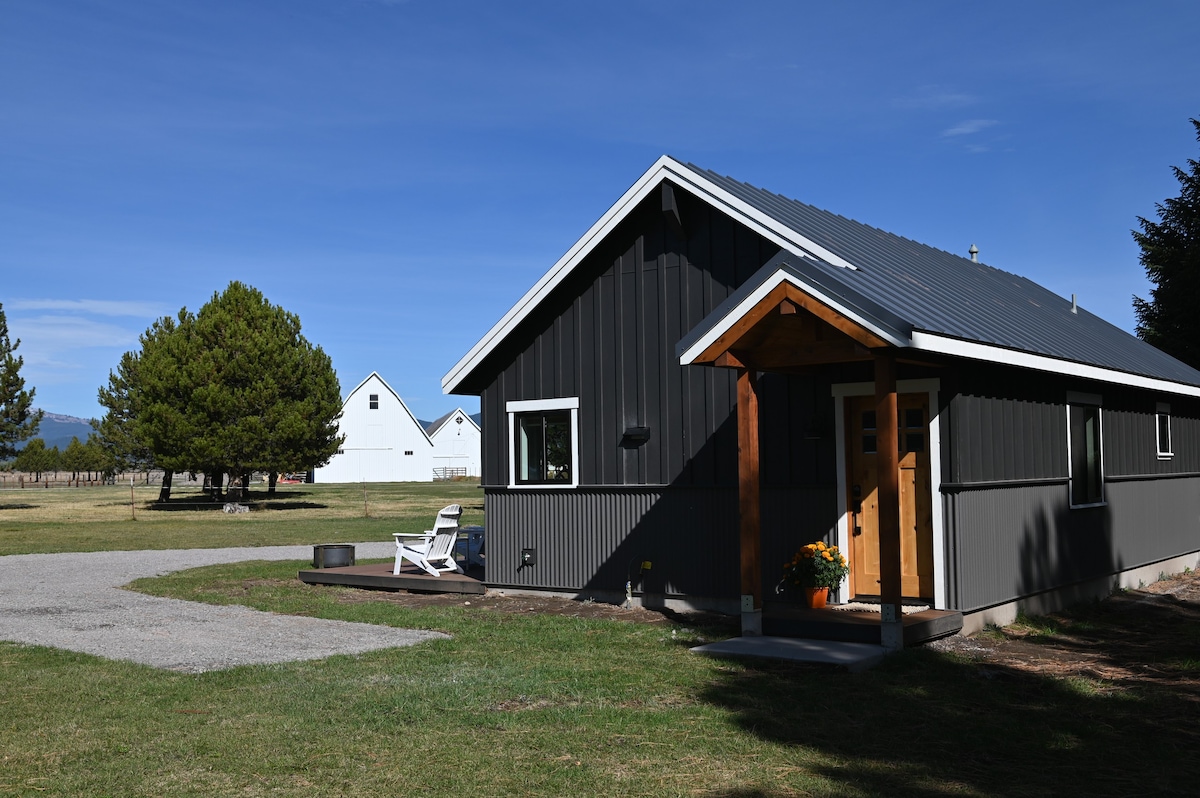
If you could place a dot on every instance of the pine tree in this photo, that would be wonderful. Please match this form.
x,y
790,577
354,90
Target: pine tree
x,y
18,421
265,398
74,457
233,389
146,422
1171,256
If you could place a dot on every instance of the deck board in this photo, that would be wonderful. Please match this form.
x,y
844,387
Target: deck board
x,y
785,620
379,576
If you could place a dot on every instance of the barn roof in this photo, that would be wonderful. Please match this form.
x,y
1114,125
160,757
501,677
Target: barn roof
x,y
433,427
912,295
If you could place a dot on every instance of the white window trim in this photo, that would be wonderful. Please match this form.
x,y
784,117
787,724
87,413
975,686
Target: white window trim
x,y
1093,400
1164,453
531,406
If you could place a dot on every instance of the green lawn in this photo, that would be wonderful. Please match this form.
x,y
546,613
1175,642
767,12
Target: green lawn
x,y
521,704
101,518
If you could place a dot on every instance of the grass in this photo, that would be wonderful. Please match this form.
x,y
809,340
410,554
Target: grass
x,y
525,704
100,518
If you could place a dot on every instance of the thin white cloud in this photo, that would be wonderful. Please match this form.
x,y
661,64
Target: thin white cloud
x,y
98,307
969,127
51,340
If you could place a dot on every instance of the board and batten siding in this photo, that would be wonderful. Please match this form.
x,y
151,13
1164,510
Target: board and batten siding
x,y
1010,530
608,336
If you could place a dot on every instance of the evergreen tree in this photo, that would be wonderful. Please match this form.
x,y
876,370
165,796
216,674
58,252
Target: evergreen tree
x,y
74,458
148,423
233,389
99,461
1171,256
18,421
36,459
265,399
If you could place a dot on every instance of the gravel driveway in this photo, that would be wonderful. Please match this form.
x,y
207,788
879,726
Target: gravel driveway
x,y
74,601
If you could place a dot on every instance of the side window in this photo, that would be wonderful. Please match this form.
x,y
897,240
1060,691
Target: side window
x,y
1086,468
543,443
1162,433
374,401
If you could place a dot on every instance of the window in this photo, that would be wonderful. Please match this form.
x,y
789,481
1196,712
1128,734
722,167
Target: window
x,y
374,400
1162,434
543,443
1085,469
408,453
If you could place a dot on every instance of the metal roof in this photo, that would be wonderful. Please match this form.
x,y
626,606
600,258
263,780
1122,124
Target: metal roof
x,y
911,294
948,295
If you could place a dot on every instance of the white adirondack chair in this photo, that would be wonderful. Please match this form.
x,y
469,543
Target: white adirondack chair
x,y
433,550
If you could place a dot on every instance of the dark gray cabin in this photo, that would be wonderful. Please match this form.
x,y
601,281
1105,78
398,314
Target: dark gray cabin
x,y
1042,453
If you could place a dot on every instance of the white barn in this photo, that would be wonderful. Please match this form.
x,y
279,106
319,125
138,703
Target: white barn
x,y
457,446
384,440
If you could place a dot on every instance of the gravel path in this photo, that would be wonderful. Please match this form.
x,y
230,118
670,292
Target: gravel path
x,y
74,601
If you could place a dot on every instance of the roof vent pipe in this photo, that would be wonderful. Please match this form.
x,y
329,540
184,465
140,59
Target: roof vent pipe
x,y
1074,306
974,250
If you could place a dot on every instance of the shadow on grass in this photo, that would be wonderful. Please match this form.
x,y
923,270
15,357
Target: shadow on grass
x,y
288,505
928,723
18,506
204,506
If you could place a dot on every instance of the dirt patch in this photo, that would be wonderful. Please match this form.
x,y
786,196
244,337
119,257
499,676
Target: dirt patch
x,y
498,601
1149,637
1144,637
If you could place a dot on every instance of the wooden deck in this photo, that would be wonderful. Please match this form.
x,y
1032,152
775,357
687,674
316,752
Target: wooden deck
x,y
785,620
779,620
379,576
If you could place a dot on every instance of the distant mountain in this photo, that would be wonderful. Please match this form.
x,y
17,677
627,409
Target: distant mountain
x,y
58,430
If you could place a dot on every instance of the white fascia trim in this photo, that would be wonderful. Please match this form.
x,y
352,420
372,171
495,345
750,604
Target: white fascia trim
x,y
760,293
665,167
931,342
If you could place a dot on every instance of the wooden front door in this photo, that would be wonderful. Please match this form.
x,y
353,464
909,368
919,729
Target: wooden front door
x,y
916,517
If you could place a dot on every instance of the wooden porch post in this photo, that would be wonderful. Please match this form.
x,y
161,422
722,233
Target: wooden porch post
x,y
749,500
886,422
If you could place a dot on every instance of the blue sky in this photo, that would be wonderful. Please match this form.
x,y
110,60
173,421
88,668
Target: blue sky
x,y
399,173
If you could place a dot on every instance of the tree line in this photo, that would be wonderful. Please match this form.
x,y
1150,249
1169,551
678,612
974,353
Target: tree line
x,y
88,457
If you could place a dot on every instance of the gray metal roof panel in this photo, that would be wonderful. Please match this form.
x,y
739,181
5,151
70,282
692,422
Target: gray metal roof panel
x,y
946,294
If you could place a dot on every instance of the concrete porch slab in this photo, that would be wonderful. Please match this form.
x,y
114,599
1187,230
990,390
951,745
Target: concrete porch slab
x,y
854,657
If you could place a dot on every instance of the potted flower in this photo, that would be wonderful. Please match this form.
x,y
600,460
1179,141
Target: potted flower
x,y
816,568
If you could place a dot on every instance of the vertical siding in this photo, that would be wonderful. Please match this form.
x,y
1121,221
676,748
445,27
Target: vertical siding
x,y
608,336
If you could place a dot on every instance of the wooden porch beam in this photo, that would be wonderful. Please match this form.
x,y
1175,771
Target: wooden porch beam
x,y
749,501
